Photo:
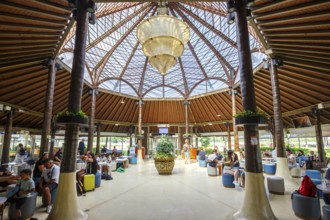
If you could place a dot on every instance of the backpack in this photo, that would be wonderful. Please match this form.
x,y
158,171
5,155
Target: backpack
x,y
307,187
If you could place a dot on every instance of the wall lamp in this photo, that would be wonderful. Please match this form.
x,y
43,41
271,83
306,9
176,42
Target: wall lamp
x,y
91,18
96,92
230,91
231,18
91,6
231,6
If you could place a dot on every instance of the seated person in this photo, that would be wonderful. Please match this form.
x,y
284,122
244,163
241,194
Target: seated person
x,y
91,166
231,165
291,159
37,171
213,161
58,156
326,196
202,154
7,177
26,186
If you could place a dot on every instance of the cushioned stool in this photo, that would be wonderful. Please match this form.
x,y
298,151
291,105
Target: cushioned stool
x,y
133,160
211,171
315,176
27,209
227,180
326,212
270,168
295,172
275,185
202,163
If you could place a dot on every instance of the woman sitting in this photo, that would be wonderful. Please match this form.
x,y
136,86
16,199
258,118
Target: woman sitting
x,y
231,164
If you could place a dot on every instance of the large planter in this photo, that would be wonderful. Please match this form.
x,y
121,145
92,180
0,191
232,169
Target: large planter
x,y
164,166
63,120
251,120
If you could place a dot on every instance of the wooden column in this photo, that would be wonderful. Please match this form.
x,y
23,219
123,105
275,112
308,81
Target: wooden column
x,y
98,138
140,103
52,139
49,100
255,204
66,192
7,137
228,135
92,92
319,138
278,122
186,104
131,128
235,131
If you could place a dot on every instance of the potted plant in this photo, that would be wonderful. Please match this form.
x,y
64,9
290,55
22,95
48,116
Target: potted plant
x,y
139,136
186,136
72,118
248,117
164,157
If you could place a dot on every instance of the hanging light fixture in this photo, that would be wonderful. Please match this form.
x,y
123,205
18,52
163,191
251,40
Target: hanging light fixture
x,y
231,18
163,38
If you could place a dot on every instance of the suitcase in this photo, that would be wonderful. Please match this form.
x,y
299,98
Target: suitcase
x,y
98,179
89,182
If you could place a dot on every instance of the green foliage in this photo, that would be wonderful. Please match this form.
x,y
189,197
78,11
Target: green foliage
x,y
249,113
205,141
165,148
80,114
208,151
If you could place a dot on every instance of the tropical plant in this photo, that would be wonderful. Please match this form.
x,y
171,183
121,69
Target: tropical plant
x,y
205,141
80,114
249,113
187,135
165,148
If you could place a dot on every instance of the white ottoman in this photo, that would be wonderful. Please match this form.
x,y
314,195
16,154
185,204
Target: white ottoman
x,y
295,172
275,185
211,171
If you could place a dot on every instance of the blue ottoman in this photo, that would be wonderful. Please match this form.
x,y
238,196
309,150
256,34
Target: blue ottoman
x,y
227,180
270,168
27,210
326,212
133,160
98,179
202,163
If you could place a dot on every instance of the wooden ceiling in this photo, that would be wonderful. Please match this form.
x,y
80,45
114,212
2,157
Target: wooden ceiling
x,y
298,32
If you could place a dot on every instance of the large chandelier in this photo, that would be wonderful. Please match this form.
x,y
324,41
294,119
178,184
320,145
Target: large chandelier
x,y
163,38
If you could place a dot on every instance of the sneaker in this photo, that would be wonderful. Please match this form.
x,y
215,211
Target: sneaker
x,y
235,183
49,209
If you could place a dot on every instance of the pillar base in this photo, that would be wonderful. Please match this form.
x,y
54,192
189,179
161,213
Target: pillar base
x,y
66,204
282,170
255,204
139,157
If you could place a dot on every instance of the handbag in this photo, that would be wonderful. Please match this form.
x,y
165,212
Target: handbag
x,y
13,192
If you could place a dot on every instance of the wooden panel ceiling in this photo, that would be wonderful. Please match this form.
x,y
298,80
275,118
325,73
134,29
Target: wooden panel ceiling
x,y
297,31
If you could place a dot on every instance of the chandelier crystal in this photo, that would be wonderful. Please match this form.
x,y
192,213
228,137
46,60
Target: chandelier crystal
x,y
163,38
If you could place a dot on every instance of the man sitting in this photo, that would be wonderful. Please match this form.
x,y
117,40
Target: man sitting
x,y
213,161
202,154
49,181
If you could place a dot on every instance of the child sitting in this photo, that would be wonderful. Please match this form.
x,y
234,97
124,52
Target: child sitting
x,y
26,185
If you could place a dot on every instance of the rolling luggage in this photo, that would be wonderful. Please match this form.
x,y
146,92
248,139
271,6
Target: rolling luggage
x,y
98,179
89,182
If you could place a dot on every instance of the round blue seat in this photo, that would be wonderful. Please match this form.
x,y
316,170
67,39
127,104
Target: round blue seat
x,y
227,180
202,163
270,168
133,160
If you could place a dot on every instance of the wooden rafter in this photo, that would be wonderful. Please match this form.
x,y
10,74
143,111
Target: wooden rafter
x,y
206,8
222,60
210,27
102,12
184,79
100,65
142,78
115,27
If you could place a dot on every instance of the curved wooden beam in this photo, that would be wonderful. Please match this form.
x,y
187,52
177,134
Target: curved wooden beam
x,y
116,78
215,78
154,87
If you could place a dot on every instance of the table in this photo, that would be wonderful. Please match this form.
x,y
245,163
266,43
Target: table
x,y
267,159
323,171
325,189
124,161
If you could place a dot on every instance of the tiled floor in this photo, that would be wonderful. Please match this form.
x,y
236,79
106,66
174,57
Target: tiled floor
x,y
140,193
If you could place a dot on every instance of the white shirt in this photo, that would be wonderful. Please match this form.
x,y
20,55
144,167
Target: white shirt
x,y
274,154
51,173
212,157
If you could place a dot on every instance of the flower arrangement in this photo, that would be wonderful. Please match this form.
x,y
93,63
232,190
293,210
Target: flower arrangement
x,y
249,113
248,117
139,136
80,114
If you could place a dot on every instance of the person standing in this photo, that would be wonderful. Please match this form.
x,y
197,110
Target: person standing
x,y
186,149
81,147
49,181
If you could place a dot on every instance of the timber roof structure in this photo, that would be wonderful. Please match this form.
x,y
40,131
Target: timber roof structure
x,y
298,32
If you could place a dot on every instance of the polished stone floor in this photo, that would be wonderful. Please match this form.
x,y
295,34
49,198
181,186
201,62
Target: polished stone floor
x,y
140,193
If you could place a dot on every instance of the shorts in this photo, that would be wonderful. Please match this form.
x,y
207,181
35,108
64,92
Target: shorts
x,y
52,186
186,155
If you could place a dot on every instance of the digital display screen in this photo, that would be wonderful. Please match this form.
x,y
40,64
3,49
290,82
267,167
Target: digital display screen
x,y
163,130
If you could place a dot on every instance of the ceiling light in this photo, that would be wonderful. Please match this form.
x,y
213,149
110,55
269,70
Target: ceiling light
x,y
248,14
122,101
91,6
249,3
231,6
163,38
230,18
